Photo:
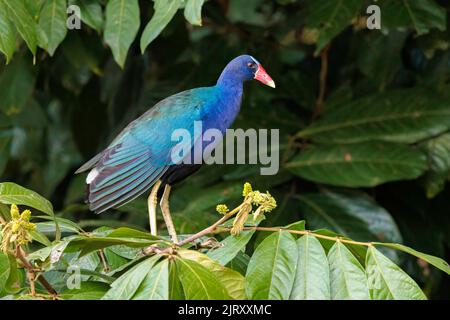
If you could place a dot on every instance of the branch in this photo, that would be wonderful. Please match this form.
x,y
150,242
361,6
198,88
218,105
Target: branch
x,y
214,227
323,82
101,254
308,232
266,203
19,254
211,228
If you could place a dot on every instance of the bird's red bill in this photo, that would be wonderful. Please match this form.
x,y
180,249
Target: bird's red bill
x,y
261,75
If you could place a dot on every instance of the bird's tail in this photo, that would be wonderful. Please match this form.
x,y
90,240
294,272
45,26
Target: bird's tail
x,y
90,164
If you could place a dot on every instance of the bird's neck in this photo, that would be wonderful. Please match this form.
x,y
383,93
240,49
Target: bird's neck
x,y
229,95
230,87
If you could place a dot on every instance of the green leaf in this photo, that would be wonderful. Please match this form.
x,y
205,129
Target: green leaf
x,y
91,13
89,263
156,283
87,274
175,287
122,25
114,260
298,226
125,251
405,116
52,20
359,165
16,84
88,244
198,282
239,263
7,34
379,58
127,284
422,15
49,227
312,279
230,247
435,261
348,279
11,193
127,265
4,269
5,150
232,280
24,22
79,54
438,151
14,282
131,233
39,237
164,12
330,18
352,214
41,254
387,281
193,11
271,271
88,291
246,12
34,7
358,251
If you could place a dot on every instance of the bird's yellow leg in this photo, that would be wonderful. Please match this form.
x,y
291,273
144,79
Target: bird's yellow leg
x,y
166,213
152,202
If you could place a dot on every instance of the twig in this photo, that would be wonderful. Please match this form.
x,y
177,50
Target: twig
x,y
323,82
287,152
224,4
32,279
155,250
20,255
288,196
242,207
211,228
308,232
101,254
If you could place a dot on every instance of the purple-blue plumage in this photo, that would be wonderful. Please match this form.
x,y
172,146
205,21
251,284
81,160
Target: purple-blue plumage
x,y
141,153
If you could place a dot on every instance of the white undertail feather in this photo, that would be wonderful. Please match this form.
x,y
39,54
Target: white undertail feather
x,y
92,175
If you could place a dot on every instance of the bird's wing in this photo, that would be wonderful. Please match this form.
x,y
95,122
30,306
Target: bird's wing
x,y
141,154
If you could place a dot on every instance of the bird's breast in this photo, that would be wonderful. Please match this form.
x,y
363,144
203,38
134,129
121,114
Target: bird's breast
x,y
222,113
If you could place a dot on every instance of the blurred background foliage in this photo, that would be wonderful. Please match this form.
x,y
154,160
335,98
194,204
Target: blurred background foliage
x,y
364,115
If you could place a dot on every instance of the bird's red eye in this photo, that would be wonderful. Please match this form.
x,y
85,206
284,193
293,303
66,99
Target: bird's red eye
x,y
251,65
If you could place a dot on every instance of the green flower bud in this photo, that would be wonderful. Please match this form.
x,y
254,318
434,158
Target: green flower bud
x,y
222,208
14,212
247,189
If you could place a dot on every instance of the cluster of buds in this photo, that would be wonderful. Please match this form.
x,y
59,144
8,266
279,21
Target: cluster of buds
x,y
222,209
263,202
17,230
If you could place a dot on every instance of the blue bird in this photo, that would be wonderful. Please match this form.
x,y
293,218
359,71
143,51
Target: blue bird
x,y
141,155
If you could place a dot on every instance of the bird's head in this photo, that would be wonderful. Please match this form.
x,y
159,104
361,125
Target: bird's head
x,y
245,67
